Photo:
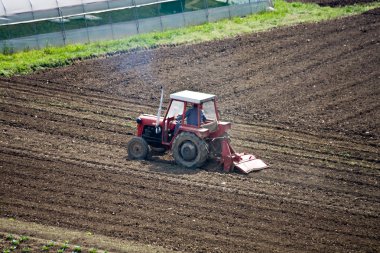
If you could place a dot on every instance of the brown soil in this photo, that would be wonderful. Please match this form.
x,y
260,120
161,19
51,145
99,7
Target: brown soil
x,y
305,99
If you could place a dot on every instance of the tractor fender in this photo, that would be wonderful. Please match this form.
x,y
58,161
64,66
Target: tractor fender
x,y
202,133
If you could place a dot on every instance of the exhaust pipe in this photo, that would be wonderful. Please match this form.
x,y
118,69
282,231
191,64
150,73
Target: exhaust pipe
x,y
158,128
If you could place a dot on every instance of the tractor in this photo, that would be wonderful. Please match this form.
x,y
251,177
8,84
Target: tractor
x,y
191,144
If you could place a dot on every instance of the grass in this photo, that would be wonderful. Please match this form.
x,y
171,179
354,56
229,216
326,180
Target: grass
x,y
43,238
285,14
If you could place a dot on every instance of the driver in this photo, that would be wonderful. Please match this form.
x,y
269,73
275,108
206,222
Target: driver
x,y
191,117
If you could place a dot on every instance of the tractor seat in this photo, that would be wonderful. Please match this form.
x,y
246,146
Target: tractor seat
x,y
212,126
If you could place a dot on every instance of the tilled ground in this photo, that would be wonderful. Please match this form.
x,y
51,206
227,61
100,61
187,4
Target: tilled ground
x,y
305,99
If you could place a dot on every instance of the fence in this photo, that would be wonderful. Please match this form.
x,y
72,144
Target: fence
x,y
118,23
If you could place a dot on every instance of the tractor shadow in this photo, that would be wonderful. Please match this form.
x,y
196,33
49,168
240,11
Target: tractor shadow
x,y
165,163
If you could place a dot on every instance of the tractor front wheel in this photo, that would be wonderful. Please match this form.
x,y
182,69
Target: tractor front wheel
x,y
138,148
189,150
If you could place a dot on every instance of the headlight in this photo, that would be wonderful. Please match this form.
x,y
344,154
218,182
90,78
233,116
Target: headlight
x,y
138,120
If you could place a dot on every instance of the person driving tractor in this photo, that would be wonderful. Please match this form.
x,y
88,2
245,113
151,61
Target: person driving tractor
x,y
191,117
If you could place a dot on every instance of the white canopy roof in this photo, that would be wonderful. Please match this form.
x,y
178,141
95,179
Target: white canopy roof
x,y
14,11
192,96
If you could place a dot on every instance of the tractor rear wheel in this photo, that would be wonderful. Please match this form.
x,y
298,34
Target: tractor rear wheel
x,y
189,150
138,148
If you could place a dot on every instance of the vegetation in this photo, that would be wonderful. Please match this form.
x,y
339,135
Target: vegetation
x,y
14,243
60,240
285,14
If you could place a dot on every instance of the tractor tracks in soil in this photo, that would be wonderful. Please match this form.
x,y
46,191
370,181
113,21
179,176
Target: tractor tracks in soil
x,y
80,152
337,159
86,182
81,182
120,121
63,134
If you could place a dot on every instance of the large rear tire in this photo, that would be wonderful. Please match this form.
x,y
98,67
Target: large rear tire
x,y
138,148
189,150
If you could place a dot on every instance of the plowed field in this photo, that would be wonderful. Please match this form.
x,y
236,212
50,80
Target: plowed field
x,y
305,99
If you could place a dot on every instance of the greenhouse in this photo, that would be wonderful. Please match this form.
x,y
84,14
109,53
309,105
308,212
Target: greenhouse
x,y
27,24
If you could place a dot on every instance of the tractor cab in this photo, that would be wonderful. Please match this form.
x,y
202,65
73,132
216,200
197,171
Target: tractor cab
x,y
192,112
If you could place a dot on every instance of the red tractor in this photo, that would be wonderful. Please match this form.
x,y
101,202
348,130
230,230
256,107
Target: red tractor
x,y
191,143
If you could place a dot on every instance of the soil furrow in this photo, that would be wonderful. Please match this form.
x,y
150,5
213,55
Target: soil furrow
x,y
302,98
198,184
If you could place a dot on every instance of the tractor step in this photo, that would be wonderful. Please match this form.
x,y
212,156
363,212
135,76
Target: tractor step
x,y
246,163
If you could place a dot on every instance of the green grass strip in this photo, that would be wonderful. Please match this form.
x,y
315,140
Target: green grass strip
x,y
285,14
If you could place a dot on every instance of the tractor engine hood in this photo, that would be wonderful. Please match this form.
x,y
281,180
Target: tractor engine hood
x,y
149,120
